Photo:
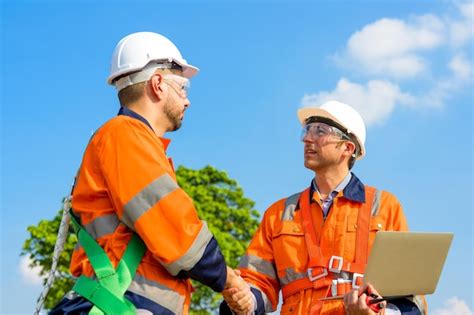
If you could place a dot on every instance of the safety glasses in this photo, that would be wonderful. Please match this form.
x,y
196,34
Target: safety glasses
x,y
179,84
316,130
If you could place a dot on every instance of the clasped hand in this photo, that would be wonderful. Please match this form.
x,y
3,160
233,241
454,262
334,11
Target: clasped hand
x,y
237,293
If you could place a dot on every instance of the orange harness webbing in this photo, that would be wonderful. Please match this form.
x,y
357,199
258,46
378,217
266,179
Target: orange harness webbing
x,y
318,263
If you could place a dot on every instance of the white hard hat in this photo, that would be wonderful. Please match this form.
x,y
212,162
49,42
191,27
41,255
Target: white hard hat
x,y
141,50
342,114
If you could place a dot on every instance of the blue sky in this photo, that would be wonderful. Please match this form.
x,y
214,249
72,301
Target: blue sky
x,y
405,65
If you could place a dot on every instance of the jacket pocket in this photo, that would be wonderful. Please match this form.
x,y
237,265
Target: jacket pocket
x,y
292,304
289,246
376,224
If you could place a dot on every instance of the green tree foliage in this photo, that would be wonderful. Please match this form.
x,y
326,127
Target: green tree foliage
x,y
219,200
40,245
230,217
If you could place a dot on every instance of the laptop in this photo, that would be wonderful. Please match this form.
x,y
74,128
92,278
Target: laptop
x,y
407,263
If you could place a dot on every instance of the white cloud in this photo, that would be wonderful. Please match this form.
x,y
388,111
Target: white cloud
x,y
454,306
467,10
400,49
389,50
444,88
461,29
30,275
461,67
374,101
389,46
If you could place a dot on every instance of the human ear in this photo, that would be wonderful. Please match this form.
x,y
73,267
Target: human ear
x,y
350,148
155,84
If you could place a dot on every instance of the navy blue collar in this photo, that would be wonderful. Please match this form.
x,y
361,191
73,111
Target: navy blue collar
x,y
128,112
354,190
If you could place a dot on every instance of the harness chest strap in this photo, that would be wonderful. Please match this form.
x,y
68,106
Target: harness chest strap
x,y
335,264
107,294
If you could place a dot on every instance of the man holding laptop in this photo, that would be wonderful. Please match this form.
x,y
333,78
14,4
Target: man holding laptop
x,y
313,246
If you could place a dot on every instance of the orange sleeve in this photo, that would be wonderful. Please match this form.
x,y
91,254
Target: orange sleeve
x,y
143,189
392,210
258,265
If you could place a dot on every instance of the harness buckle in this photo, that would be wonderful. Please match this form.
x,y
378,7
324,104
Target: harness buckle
x,y
339,265
355,276
336,283
322,274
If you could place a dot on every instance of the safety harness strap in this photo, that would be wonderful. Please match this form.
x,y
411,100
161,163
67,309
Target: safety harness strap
x,y
99,260
312,236
363,228
128,265
102,298
108,292
318,264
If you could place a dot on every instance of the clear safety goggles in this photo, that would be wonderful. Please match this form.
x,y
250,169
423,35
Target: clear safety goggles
x,y
179,84
316,130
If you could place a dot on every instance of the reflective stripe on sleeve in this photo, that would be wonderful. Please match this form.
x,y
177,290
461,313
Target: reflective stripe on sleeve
x,y
266,302
290,206
101,226
158,293
291,275
259,265
418,300
104,225
147,198
193,254
376,203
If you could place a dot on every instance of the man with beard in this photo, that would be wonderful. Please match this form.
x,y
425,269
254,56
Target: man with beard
x,y
313,246
140,238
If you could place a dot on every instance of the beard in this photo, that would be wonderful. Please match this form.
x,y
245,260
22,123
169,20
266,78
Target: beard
x,y
173,114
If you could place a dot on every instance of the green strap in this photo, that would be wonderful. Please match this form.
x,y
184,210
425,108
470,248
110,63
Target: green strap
x,y
128,265
107,294
99,260
98,295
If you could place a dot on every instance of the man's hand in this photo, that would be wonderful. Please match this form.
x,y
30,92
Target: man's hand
x,y
237,293
355,302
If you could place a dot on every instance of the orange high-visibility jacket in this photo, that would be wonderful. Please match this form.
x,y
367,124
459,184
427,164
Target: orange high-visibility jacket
x,y
277,257
126,183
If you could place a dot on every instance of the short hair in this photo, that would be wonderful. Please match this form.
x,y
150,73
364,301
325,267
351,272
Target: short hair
x,y
131,94
357,150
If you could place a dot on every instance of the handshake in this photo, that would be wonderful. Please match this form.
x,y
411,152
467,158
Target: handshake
x,y
237,294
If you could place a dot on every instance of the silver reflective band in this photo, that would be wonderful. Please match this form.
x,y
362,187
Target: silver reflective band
x,y
376,202
147,198
158,293
259,265
101,226
290,206
193,254
419,303
292,275
266,302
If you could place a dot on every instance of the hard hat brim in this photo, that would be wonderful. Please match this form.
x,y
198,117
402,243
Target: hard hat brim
x,y
305,113
189,71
